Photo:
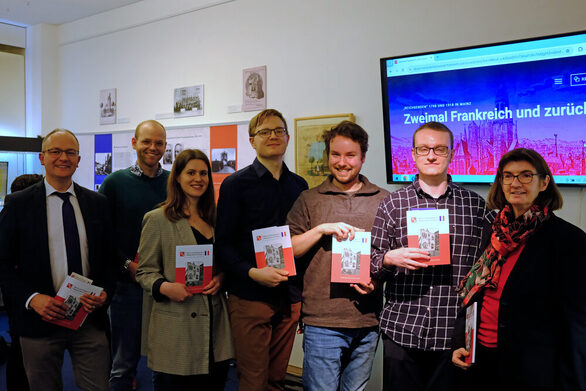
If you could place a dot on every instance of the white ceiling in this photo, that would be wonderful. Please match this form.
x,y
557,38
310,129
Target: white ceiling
x,y
30,12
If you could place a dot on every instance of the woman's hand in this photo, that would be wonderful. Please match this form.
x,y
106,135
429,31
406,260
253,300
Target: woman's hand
x,y
175,291
458,358
214,286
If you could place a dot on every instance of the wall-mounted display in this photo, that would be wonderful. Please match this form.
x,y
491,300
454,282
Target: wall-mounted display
x,y
188,101
108,106
494,98
311,161
254,89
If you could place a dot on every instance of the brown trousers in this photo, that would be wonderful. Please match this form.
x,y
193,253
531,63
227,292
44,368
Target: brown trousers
x,y
263,338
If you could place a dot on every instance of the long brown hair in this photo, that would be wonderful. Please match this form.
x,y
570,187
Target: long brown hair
x,y
176,199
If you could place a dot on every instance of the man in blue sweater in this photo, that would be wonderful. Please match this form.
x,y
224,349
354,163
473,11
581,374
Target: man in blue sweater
x,y
131,193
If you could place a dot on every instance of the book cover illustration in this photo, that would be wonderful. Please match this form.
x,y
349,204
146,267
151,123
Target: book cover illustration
x,y
194,266
272,247
470,334
351,259
429,229
69,293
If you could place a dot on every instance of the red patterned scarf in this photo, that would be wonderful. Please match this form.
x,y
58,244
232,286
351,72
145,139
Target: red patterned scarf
x,y
507,234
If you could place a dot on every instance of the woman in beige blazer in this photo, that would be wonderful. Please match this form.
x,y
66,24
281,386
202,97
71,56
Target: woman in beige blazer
x,y
186,336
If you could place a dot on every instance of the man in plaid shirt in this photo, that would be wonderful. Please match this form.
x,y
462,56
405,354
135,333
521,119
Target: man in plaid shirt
x,y
418,318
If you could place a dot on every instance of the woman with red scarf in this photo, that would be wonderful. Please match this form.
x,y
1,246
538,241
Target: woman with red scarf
x,y
530,286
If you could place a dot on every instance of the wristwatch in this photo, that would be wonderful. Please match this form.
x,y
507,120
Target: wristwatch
x,y
126,264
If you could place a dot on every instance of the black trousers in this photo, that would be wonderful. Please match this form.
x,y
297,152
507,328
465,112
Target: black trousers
x,y
408,369
484,374
15,375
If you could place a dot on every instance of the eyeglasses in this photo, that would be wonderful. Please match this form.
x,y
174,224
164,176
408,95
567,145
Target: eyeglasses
x,y
440,150
524,177
56,152
279,132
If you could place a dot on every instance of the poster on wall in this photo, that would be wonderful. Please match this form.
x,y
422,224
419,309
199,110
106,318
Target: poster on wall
x,y
102,158
123,155
188,101
108,106
187,138
223,160
311,161
227,145
254,96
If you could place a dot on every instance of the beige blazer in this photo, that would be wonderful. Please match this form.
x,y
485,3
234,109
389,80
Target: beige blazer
x,y
175,336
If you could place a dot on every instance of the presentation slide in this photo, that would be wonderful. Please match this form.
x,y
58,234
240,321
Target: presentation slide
x,y
493,100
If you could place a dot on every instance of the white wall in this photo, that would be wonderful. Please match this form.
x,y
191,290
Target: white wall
x,y
12,116
12,35
12,94
43,92
322,58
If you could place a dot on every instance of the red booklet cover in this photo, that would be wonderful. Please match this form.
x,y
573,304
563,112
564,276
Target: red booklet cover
x,y
272,247
351,259
194,264
429,229
471,329
71,290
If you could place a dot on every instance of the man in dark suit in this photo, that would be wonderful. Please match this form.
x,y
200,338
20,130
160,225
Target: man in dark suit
x,y
48,231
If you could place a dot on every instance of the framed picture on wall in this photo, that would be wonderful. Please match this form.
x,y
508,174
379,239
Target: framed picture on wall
x,y
3,181
188,101
311,161
254,88
108,106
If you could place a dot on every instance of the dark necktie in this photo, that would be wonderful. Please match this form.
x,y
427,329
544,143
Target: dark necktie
x,y
71,235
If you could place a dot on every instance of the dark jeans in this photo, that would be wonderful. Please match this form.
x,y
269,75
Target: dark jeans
x,y
408,369
125,321
214,381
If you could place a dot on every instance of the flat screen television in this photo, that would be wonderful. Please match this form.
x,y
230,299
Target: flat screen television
x,y
494,98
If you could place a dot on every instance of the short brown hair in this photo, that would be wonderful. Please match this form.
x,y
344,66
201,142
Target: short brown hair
x,y
176,199
148,121
550,197
23,181
438,126
52,132
347,129
258,119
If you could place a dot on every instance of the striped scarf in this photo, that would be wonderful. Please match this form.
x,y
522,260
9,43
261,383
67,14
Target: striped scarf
x,y
507,234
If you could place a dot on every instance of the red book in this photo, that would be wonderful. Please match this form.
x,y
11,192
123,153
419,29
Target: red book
x,y
71,290
351,259
272,247
194,264
471,331
429,229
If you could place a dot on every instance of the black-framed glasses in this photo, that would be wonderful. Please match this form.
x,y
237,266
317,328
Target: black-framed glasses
x,y
279,132
438,150
56,152
525,177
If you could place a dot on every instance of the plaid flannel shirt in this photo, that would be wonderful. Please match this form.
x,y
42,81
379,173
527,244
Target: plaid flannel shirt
x,y
421,305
